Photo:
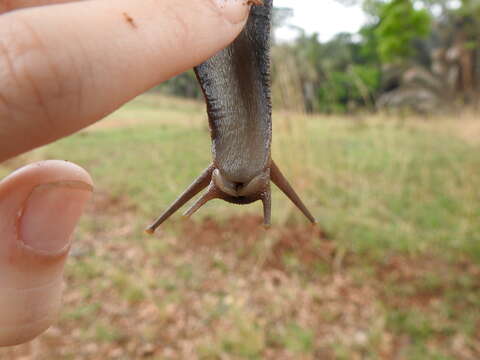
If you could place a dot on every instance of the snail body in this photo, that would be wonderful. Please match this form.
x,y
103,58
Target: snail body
x,y
236,86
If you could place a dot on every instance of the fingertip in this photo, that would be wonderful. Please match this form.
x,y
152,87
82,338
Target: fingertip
x,y
234,11
45,171
39,207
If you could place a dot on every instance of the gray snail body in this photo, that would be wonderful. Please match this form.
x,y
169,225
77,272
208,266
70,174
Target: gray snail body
x,y
236,86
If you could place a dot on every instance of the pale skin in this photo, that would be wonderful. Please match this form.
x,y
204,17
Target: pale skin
x,y
63,67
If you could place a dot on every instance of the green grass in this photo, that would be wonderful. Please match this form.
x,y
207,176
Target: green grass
x,y
387,187
399,202
375,187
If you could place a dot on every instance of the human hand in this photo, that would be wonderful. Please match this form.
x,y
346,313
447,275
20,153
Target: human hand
x,y
63,67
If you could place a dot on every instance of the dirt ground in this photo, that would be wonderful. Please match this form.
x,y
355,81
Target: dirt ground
x,y
232,290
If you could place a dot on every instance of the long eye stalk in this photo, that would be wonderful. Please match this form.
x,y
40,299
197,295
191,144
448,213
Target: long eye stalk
x,y
198,185
278,179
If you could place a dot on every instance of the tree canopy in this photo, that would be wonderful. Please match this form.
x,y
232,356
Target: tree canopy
x,y
420,54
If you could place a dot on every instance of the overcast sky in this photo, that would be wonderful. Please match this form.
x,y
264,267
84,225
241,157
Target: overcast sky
x,y
326,17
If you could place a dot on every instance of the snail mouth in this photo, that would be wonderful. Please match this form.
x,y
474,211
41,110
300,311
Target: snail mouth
x,y
239,189
218,187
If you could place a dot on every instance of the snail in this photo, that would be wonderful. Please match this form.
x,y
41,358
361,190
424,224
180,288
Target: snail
x,y
236,86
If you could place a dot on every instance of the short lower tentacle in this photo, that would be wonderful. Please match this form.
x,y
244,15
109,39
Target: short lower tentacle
x,y
210,194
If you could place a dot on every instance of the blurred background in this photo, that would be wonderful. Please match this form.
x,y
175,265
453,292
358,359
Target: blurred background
x,y
375,123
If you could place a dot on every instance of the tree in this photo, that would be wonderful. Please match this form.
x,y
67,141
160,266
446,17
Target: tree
x,y
399,25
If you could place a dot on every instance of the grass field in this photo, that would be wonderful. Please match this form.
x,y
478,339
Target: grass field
x,y
391,272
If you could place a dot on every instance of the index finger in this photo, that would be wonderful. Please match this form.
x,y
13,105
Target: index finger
x,y
63,67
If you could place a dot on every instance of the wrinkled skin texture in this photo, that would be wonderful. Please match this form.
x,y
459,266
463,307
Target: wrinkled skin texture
x,y
236,86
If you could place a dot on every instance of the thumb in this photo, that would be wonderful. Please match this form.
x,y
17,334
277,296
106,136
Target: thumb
x,y
40,205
